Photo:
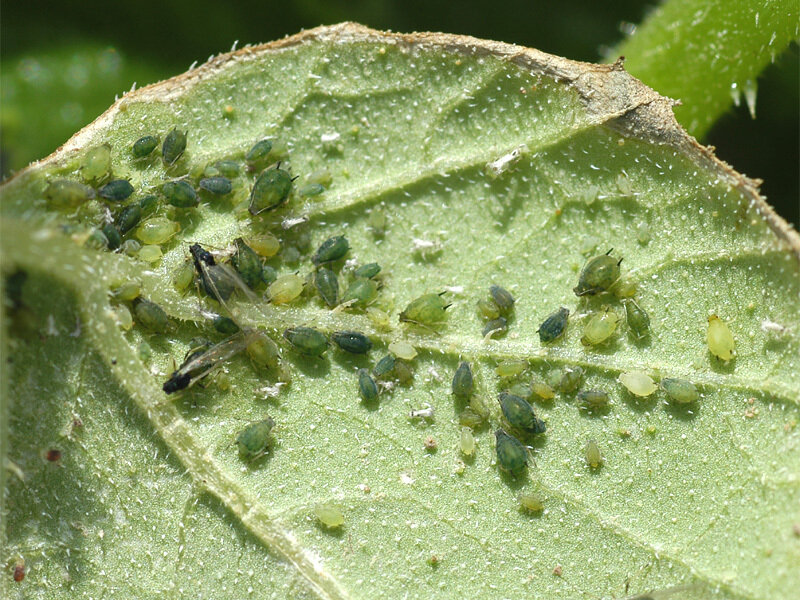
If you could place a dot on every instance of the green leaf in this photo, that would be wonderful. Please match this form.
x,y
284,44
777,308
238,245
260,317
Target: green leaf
x,y
709,55
150,496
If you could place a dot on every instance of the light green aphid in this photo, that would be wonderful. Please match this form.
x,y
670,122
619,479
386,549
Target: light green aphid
x,y
330,250
128,218
379,318
156,230
306,340
593,399
112,235
64,194
271,190
511,454
402,349
638,320
247,263
311,189
217,185
467,442
367,388
285,288
542,390
254,439
496,327
511,368
600,327
322,177
502,298
680,390
144,146
96,164
128,291
571,378
183,275
425,310
598,275
116,190
122,316
463,381
354,342
367,271
522,390
360,293
259,152
488,309
638,383
376,221
553,326
264,352
174,146
327,285
469,418
592,454
329,515
624,288
264,244
150,253
530,503
180,194
719,338
151,316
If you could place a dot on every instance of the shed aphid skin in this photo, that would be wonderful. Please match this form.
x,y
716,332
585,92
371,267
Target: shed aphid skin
x,y
495,328
63,194
285,288
679,390
512,456
329,515
151,316
592,454
116,190
259,152
246,263
331,250
270,190
638,320
180,194
600,327
719,338
598,275
96,164
502,298
553,326
217,185
367,388
519,414
327,285
638,383
254,440
306,340
144,146
463,382
367,271
593,399
466,442
360,293
354,342
174,146
428,309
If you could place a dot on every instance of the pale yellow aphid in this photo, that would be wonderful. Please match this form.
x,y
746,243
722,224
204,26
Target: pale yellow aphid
x,y
122,316
600,327
638,383
156,230
285,288
592,454
531,503
511,368
542,390
264,244
402,349
719,338
150,253
467,442
329,515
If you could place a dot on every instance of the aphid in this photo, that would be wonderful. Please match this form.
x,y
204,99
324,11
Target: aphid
x,y
96,164
156,230
719,338
264,244
522,390
597,275
263,351
225,325
638,320
511,368
150,254
174,146
112,235
202,359
466,442
183,275
64,194
463,381
130,247
254,439
425,310
306,340
97,240
360,293
624,288
268,274
469,418
593,399
495,328
330,250
53,455
128,218
600,327
352,341
144,146
430,444
327,285
542,390
592,454
553,326
530,503
520,414
19,571
367,388
680,390
246,263
422,413
216,185
403,372
402,349
384,366
638,383
128,291
511,454
503,299
570,379
270,190
259,152
116,190
367,271
180,194
151,316
285,288
488,309
148,204
376,221
291,255
329,515
122,316
311,189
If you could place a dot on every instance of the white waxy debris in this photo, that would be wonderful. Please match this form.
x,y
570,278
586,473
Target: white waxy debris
x,y
422,413
497,167
293,222
329,137
773,327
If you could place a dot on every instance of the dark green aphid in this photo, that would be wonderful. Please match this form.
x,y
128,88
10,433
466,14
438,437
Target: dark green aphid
x,y
597,275
519,413
367,271
331,249
254,439
128,218
503,299
571,378
247,263
367,388
268,274
554,325
180,194
680,390
311,189
216,185
327,285
511,454
496,327
225,325
462,381
227,168
352,341
360,293
112,235
638,320
66,194
306,340
174,146
148,204
425,310
384,366
151,316
593,399
144,146
270,190
116,190
97,240
259,152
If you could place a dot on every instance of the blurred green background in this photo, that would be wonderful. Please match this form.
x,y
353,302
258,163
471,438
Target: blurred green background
x,y
63,63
